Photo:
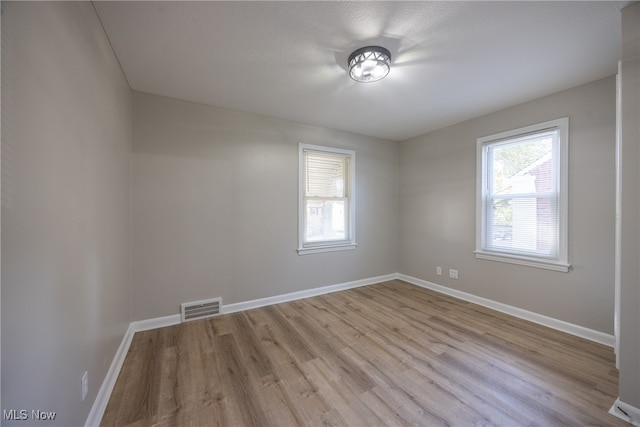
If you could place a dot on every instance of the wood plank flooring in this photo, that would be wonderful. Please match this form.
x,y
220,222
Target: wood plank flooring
x,y
391,354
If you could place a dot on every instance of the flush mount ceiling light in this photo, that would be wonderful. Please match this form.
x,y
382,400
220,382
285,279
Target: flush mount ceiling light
x,y
369,64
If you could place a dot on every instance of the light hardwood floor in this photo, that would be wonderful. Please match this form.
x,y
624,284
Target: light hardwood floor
x,y
389,354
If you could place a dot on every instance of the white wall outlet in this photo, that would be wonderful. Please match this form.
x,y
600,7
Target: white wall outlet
x,y
439,271
85,385
453,274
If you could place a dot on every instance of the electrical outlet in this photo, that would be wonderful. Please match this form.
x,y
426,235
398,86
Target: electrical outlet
x,y
439,271
453,274
85,384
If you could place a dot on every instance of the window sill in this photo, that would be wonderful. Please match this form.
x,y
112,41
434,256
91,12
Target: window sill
x,y
526,261
329,248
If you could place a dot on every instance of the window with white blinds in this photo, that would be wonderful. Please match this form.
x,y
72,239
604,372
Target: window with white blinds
x,y
326,210
522,196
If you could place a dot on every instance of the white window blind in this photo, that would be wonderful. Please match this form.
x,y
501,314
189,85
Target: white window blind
x,y
325,174
522,196
326,211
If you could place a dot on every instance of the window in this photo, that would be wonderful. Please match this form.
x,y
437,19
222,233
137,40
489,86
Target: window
x,y
326,210
522,196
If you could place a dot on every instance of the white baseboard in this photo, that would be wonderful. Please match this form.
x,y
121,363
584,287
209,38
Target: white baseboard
x,y
540,319
102,399
626,412
155,323
247,305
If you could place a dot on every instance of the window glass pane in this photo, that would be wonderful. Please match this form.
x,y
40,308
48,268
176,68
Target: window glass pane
x,y
326,220
522,214
523,224
523,166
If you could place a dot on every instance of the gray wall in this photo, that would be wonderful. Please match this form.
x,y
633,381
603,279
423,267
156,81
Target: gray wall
x,y
215,207
437,214
66,148
630,212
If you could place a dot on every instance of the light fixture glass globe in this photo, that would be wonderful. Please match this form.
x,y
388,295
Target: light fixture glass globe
x,y
369,64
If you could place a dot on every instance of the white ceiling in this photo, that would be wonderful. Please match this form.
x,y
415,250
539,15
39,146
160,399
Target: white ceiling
x,y
451,61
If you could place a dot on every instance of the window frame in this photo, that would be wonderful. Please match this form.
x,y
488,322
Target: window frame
x,y
561,164
349,242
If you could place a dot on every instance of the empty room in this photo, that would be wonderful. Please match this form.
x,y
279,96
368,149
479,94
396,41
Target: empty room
x,y
320,213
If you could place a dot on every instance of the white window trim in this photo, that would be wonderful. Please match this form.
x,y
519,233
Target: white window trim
x,y
349,243
561,263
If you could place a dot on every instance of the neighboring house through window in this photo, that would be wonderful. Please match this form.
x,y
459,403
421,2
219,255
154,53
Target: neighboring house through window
x,y
522,196
326,202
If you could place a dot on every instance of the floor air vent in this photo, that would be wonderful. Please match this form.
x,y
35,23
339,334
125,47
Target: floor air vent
x,y
200,309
